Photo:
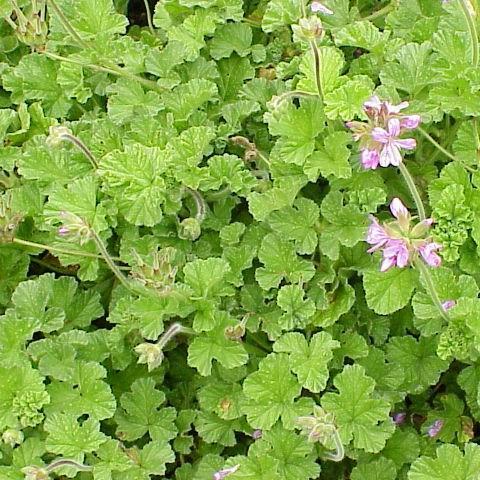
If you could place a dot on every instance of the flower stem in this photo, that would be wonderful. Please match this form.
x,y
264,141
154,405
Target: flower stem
x,y
109,261
67,25
149,17
66,462
51,248
430,286
82,147
413,190
436,144
472,29
339,453
318,68
380,13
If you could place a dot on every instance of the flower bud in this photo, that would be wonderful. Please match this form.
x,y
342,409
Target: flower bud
x,y
308,29
12,437
189,229
151,354
35,473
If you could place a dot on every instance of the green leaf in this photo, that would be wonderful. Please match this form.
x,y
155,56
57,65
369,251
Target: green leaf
x,y
363,34
297,224
280,262
308,360
359,416
35,78
270,391
449,464
346,101
387,292
141,413
331,61
331,159
346,225
128,101
67,437
187,98
381,469
84,393
280,13
233,73
419,361
215,345
297,310
229,38
134,176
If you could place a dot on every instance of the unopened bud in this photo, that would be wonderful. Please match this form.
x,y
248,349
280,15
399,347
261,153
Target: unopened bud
x,y
12,437
189,229
151,354
308,29
35,473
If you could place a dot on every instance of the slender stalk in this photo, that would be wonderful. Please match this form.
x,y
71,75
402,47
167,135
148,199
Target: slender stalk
x,y
413,190
339,453
436,144
111,69
66,462
109,261
472,29
67,25
425,273
318,68
200,205
149,17
380,13
82,147
51,248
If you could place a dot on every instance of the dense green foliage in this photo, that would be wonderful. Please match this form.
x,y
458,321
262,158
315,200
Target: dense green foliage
x,y
191,180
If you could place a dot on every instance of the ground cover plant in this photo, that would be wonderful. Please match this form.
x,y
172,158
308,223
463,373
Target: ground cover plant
x,y
239,239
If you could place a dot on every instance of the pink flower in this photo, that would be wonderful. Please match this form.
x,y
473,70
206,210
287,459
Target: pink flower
x,y
395,109
435,428
370,159
399,418
390,153
448,304
317,7
225,472
376,235
428,252
400,241
410,122
396,254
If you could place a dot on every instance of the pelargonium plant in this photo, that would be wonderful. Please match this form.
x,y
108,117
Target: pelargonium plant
x,y
239,240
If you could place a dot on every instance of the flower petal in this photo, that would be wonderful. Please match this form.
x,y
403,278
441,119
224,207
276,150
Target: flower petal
x,y
396,108
370,159
394,127
380,135
428,251
410,121
317,7
390,155
406,143
398,209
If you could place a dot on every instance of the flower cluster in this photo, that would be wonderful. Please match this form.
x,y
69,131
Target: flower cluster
x,y
380,141
400,241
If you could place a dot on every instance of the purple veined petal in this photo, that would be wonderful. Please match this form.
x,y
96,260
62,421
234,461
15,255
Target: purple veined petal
x,y
370,159
406,143
403,257
387,264
428,251
435,428
410,121
394,127
399,418
317,7
398,209
376,235
448,304
380,135
390,155
373,105
394,109
397,252
225,472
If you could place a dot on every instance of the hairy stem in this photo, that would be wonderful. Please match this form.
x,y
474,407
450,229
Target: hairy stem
x,y
51,248
109,261
380,13
149,17
66,462
318,67
436,144
339,453
413,190
67,25
82,147
430,286
472,29
173,330
200,205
